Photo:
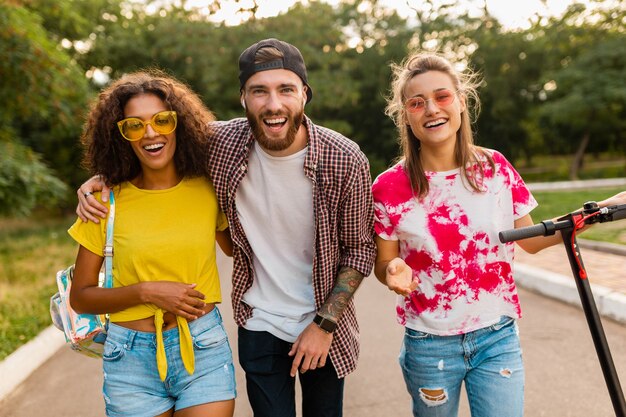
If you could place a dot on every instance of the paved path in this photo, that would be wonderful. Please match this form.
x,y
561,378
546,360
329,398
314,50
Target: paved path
x,y
605,269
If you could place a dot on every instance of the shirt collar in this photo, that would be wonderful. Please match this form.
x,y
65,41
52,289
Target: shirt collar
x,y
310,161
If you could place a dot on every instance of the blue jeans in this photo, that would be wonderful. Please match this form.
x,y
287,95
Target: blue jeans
x,y
132,386
271,390
488,360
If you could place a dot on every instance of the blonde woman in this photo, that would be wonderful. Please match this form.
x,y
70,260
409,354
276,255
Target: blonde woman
x,y
438,213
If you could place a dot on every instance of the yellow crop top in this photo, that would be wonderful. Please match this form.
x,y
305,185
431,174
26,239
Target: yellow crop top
x,y
161,235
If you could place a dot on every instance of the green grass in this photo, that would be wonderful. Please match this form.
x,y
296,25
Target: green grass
x,y
31,251
556,203
556,167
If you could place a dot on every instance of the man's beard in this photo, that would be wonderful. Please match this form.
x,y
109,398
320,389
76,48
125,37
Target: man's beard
x,y
294,122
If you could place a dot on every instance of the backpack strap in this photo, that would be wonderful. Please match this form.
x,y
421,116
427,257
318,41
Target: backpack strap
x,y
108,246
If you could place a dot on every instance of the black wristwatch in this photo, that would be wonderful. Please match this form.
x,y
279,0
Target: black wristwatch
x,y
325,324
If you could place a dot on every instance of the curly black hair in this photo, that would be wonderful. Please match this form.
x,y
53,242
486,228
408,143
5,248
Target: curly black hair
x,y
107,153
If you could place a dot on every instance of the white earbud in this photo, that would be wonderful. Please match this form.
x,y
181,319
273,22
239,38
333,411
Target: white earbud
x,y
243,103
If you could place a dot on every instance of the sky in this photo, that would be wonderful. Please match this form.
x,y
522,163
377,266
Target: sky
x,y
511,13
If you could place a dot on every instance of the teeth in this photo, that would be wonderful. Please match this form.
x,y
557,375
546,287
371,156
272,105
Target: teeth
x,y
275,121
435,122
154,146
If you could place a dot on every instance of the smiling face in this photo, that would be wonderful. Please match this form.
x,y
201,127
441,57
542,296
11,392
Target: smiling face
x,y
274,101
155,151
435,125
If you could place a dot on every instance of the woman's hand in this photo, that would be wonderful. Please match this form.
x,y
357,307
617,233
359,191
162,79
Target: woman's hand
x,y
177,298
399,277
391,270
617,199
89,208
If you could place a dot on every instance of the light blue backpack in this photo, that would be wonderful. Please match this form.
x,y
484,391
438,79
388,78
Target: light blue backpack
x,y
85,333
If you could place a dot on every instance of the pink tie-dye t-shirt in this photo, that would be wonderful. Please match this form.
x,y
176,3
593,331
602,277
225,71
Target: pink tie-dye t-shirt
x,y
450,240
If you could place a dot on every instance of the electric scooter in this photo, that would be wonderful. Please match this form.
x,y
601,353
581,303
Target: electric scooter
x,y
568,225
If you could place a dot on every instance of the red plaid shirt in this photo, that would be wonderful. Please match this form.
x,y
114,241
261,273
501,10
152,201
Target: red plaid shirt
x,y
343,209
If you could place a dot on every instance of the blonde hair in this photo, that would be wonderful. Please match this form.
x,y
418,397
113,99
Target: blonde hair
x,y
466,154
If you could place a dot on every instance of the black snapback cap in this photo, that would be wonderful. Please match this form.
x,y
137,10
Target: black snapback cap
x,y
292,60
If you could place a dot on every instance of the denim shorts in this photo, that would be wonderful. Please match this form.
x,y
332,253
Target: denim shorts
x,y
132,386
487,360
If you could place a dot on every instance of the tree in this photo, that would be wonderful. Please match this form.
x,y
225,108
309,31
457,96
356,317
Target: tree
x,y
374,36
25,181
43,94
579,93
588,98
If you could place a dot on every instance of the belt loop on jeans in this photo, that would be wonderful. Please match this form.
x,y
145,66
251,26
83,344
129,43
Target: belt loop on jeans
x,y
130,339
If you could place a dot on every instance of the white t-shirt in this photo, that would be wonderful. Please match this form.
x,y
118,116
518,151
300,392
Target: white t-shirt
x,y
450,240
275,207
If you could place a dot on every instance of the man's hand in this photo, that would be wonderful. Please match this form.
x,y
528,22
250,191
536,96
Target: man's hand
x,y
310,350
177,298
399,277
89,208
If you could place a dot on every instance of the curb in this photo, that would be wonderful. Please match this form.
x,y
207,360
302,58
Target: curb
x,y
605,247
610,303
576,185
18,366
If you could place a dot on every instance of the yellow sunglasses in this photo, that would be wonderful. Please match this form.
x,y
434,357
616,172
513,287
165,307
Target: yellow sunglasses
x,y
133,128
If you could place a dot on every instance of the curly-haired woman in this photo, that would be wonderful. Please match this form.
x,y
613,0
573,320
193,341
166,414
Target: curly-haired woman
x,y
166,352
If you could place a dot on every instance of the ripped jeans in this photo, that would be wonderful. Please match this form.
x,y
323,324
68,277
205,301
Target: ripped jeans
x,y
488,360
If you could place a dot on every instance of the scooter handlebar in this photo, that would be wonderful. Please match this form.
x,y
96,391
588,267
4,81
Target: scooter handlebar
x,y
620,212
548,227
512,235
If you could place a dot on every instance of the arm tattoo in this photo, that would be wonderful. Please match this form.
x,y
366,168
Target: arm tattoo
x,y
348,280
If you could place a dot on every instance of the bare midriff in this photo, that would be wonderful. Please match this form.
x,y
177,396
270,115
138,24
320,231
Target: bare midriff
x,y
147,324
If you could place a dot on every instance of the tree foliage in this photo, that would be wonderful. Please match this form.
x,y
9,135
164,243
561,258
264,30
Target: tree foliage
x,y
25,181
43,94
548,89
